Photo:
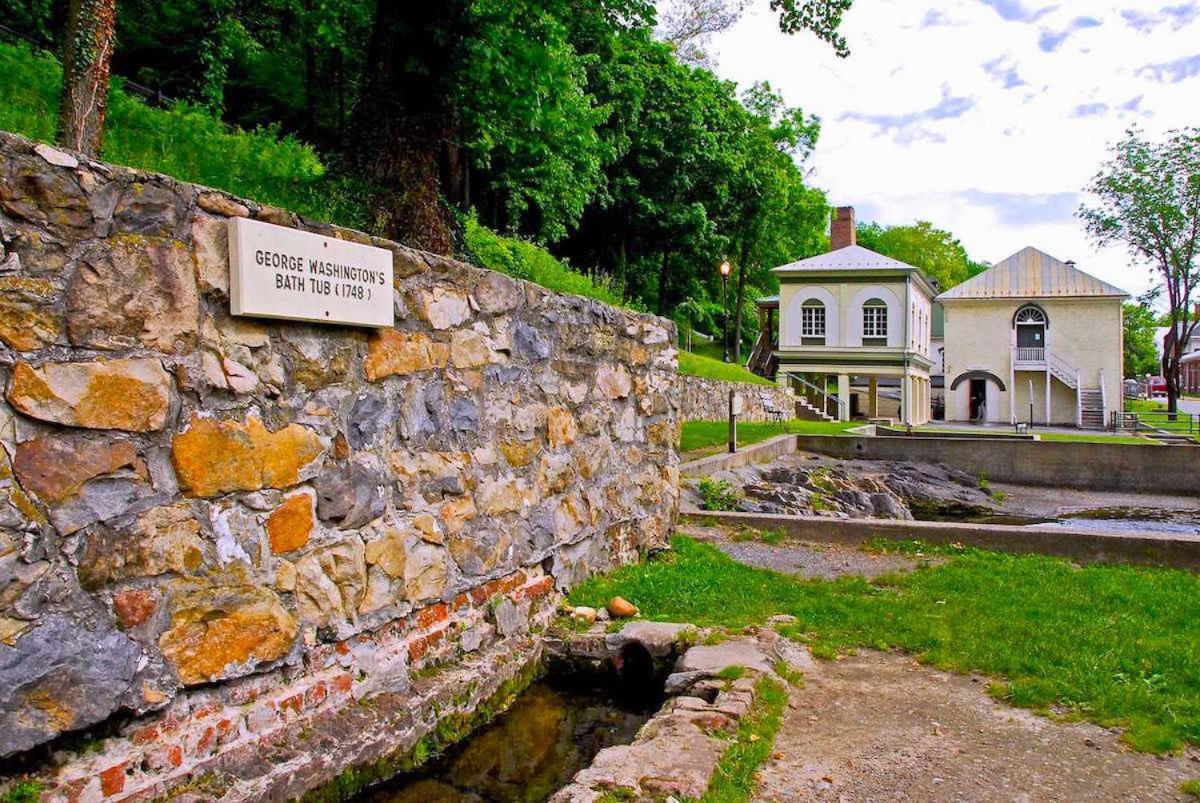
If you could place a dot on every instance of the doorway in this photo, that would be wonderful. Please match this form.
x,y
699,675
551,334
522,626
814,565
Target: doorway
x,y
978,395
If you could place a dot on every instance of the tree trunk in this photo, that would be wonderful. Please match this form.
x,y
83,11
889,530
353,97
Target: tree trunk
x,y
662,281
403,117
87,52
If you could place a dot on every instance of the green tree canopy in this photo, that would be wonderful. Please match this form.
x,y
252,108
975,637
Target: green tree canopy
x,y
1141,353
935,251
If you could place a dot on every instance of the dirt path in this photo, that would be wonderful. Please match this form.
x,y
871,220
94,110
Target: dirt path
x,y
880,727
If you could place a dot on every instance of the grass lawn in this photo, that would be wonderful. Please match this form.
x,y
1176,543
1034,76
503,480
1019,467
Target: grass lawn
x,y
1117,645
699,365
699,435
1144,406
1067,437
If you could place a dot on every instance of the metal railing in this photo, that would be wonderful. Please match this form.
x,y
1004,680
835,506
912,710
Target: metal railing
x,y
1157,422
825,398
1025,354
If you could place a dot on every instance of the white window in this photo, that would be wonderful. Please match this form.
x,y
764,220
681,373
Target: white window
x,y
812,323
875,323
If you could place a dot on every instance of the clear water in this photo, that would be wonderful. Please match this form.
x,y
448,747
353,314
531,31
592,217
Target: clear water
x,y
526,754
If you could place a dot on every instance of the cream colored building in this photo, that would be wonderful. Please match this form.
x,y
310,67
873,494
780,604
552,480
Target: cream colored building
x,y
1033,339
853,317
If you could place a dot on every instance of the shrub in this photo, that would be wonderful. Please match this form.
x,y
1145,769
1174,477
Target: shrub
x,y
718,494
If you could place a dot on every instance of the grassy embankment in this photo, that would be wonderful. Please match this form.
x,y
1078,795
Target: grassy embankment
x,y
699,436
1117,645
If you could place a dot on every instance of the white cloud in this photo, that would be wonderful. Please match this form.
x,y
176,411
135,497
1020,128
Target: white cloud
x,y
986,117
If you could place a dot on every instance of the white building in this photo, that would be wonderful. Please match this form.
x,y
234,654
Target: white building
x,y
1033,339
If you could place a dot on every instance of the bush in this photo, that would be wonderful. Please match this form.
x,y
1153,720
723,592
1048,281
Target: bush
x,y
717,494
186,142
525,260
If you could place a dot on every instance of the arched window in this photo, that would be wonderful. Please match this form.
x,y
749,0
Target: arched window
x,y
1030,321
875,323
812,323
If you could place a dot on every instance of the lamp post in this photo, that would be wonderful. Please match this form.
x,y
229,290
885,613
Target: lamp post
x,y
725,269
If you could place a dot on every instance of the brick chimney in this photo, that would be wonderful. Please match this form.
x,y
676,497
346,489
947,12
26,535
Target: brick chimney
x,y
841,228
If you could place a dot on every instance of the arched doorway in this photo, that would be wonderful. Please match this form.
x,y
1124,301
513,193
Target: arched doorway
x,y
1031,323
977,393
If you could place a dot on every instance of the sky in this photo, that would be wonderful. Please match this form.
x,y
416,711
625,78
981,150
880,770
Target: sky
x,y
986,117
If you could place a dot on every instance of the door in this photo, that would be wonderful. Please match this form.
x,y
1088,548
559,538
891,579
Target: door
x,y
978,391
1031,336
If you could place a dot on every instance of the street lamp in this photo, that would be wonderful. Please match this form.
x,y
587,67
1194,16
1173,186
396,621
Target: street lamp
x,y
725,269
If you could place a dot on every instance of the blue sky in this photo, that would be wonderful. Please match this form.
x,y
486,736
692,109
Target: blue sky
x,y
987,117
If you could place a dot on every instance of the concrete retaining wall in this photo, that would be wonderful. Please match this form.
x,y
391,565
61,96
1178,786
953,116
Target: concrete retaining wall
x,y
1082,546
759,452
703,399
1090,466
218,532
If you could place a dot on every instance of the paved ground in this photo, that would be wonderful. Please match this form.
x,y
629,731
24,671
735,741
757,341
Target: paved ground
x,y
878,726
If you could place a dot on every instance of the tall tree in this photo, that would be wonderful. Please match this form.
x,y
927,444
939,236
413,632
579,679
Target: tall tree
x,y
935,251
1147,197
1141,353
87,52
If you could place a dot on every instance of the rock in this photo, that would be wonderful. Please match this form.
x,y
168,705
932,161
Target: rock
x,y
584,615
529,343
424,571
469,349
55,157
27,317
613,381
330,583
716,657
781,619
621,608
285,575
133,395
162,540
560,427
659,638
455,513
134,606
510,620
497,293
222,632
214,457
81,481
131,290
389,553
51,198
501,495
210,243
290,524
519,453
349,496
60,676
443,307
481,552
392,353
369,418
463,415
221,204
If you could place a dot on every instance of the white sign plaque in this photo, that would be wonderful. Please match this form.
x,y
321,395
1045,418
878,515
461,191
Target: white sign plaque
x,y
277,272
738,404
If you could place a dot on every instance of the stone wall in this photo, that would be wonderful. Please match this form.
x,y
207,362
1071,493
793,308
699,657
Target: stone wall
x,y
219,534
702,399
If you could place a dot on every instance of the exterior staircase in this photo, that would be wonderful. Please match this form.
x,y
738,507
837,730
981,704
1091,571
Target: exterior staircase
x,y
1091,404
808,411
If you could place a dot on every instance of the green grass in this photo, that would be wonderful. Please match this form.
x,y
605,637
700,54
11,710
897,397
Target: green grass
x,y
698,365
734,779
1144,406
696,435
1114,644
1067,437
185,142
1191,788
525,260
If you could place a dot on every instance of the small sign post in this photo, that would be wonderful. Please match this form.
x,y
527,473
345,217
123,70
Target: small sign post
x,y
277,272
735,409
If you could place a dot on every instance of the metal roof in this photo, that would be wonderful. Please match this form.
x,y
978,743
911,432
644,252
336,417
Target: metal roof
x,y
852,256
1030,273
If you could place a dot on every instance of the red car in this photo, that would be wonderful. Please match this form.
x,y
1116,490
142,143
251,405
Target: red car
x,y
1156,386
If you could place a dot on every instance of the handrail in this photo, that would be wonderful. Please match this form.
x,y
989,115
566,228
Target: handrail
x,y
1029,354
1103,397
825,397
1079,403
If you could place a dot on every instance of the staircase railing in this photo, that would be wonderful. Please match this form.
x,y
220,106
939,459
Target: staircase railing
x,y
1062,370
761,355
825,397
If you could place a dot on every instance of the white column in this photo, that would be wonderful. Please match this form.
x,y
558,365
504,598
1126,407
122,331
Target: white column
x,y
905,399
844,397
1047,397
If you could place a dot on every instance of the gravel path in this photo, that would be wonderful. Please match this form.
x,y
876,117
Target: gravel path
x,y
878,726
810,561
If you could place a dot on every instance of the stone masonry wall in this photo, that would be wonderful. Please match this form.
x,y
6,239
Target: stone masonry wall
x,y
218,533
702,399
